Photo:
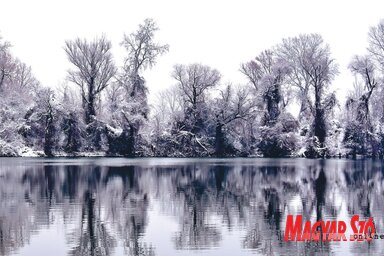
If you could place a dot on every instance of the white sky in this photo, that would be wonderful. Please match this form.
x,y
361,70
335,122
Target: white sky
x,y
221,34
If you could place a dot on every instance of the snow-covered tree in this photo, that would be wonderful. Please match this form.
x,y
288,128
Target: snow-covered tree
x,y
190,131
359,130
363,130
376,44
231,106
7,63
46,114
130,88
94,70
166,110
268,73
312,72
194,81
18,90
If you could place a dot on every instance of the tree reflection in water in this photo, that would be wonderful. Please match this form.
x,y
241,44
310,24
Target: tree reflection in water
x,y
105,206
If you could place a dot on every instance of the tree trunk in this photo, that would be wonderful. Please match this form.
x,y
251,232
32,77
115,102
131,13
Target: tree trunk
x,y
73,137
320,130
273,100
132,141
304,106
90,111
320,126
220,140
2,79
48,140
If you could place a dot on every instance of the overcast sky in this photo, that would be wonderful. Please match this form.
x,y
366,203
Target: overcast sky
x,y
221,34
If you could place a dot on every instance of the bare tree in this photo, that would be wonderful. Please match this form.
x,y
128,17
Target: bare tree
x,y
376,54
267,74
364,67
194,80
48,114
364,106
142,53
171,100
94,70
23,76
230,106
376,43
311,65
7,63
358,133
312,69
169,105
253,71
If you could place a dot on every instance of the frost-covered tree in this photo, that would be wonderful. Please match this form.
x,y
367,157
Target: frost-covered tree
x,y
362,66
166,110
312,71
292,51
71,122
15,103
48,114
376,55
41,128
192,130
363,131
13,71
268,73
231,106
18,90
376,44
184,114
194,81
142,53
7,63
94,70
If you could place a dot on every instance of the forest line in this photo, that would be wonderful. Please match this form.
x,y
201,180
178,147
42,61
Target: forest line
x,y
106,111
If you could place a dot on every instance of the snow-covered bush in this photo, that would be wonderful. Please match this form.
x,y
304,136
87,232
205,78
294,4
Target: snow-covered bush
x,y
280,139
6,149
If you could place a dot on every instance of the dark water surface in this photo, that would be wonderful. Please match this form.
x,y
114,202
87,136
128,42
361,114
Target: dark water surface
x,y
107,206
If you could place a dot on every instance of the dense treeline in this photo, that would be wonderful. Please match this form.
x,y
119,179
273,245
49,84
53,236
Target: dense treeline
x,y
104,108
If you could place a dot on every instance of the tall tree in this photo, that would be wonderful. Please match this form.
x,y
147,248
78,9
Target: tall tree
x,y
45,103
7,63
267,73
23,76
362,66
142,53
313,70
229,107
363,132
358,132
376,43
376,54
94,70
18,90
195,80
168,107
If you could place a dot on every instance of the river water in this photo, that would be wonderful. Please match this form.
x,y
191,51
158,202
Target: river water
x,y
157,206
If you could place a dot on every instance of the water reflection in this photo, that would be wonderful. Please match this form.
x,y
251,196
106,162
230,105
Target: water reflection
x,y
234,207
